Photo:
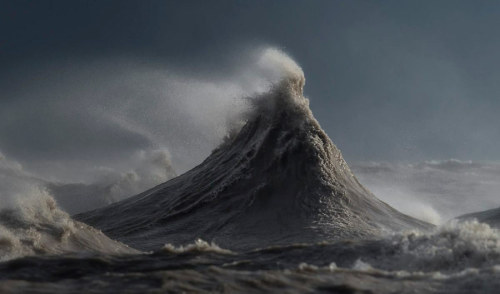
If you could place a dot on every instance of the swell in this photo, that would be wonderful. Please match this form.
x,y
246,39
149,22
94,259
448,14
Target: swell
x,y
279,179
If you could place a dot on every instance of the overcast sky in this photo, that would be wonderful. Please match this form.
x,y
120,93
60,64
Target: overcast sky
x,y
388,80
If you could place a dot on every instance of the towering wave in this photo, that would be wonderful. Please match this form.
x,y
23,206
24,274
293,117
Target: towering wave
x,y
279,179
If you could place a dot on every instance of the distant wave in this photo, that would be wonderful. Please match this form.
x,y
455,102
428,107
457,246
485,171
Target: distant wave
x,y
150,168
278,179
434,191
31,223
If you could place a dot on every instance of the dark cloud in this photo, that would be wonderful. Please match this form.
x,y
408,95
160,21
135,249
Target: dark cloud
x,y
392,80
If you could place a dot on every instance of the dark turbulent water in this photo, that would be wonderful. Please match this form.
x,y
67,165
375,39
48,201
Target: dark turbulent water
x,y
451,260
279,210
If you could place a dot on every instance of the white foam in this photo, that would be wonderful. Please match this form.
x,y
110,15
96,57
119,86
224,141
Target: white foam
x,y
361,266
455,245
199,245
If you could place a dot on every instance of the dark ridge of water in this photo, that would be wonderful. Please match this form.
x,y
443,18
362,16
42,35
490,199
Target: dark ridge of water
x,y
279,180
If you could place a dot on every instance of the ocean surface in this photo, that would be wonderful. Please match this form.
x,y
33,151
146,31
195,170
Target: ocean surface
x,y
275,208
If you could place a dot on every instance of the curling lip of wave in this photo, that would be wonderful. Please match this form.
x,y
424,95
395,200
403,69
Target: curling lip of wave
x,y
280,179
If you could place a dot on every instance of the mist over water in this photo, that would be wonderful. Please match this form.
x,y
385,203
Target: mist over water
x,y
434,191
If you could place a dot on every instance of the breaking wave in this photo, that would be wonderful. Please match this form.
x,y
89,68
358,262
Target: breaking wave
x,y
31,223
38,227
277,179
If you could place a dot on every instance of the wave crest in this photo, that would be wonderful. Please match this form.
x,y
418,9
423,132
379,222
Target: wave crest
x,y
198,246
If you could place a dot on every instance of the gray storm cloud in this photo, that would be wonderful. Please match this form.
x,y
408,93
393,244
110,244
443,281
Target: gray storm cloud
x,y
95,132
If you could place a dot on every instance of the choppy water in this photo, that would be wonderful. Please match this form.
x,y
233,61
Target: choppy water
x,y
457,258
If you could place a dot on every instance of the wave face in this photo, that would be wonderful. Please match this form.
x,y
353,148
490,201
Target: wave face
x,y
280,179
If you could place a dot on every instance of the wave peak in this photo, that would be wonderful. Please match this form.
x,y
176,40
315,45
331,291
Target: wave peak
x,y
280,179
